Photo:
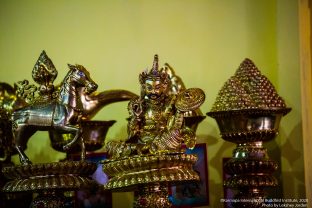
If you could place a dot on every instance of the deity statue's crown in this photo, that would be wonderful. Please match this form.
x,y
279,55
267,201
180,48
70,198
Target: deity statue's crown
x,y
155,73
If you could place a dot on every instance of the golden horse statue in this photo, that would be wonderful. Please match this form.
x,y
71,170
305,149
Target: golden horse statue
x,y
61,113
57,109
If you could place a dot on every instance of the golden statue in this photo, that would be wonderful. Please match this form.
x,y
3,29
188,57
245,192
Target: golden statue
x,y
64,109
161,125
62,113
25,95
156,123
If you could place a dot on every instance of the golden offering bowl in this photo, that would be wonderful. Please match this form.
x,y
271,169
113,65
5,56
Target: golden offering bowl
x,y
250,167
125,173
93,132
249,125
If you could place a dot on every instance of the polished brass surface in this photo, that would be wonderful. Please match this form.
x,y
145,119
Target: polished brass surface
x,y
44,73
149,169
248,111
162,122
64,110
59,175
48,109
94,102
191,118
49,180
157,117
93,132
248,125
247,89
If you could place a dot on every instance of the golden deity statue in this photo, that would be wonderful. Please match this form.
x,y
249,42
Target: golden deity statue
x,y
156,123
161,125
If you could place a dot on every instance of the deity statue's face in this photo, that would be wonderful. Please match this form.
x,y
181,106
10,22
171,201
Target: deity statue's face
x,y
155,90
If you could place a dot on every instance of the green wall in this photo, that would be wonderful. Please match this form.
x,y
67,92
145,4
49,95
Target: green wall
x,y
290,139
204,40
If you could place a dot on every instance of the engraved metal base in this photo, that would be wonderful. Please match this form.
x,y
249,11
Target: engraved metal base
x,y
50,180
150,176
126,173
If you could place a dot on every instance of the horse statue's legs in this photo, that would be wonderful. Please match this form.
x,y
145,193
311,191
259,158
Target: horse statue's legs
x,y
78,135
21,136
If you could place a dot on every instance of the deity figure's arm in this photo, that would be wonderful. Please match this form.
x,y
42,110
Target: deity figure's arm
x,y
178,134
118,149
135,109
187,134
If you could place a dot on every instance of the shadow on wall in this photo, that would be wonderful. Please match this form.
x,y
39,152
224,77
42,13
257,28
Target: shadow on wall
x,y
217,150
293,168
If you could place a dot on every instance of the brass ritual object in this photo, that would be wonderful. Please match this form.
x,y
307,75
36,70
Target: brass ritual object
x,y
50,180
153,156
49,108
248,111
65,111
93,131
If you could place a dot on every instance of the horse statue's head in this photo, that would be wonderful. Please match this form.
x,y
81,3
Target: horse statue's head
x,y
81,77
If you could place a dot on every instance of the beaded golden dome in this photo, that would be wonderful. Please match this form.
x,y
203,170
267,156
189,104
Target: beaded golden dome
x,y
247,89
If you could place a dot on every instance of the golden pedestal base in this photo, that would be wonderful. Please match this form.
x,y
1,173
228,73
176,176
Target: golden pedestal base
x,y
150,175
250,167
49,180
